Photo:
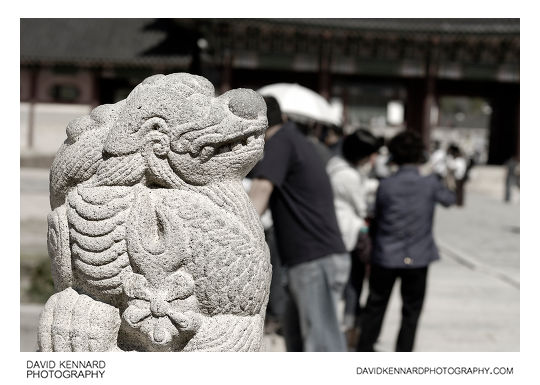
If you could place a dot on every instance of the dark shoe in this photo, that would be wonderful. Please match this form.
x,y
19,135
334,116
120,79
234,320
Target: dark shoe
x,y
351,336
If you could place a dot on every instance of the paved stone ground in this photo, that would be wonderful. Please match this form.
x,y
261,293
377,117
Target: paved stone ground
x,y
473,299
29,321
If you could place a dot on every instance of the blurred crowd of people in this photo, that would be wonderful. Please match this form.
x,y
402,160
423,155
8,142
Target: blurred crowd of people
x,y
345,208
452,166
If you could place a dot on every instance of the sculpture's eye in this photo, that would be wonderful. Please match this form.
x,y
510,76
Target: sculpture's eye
x,y
246,104
156,124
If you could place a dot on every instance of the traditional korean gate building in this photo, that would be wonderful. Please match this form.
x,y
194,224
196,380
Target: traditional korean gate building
x,y
360,62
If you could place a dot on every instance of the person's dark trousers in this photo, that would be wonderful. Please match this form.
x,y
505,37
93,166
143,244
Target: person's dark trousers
x,y
278,296
510,181
381,282
353,291
460,192
291,326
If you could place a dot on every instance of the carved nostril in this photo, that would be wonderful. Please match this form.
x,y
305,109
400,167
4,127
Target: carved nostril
x,y
246,103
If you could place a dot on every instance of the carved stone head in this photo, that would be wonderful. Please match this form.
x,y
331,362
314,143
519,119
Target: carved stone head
x,y
203,137
171,130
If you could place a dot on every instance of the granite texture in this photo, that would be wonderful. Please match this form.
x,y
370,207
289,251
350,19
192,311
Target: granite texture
x,y
153,242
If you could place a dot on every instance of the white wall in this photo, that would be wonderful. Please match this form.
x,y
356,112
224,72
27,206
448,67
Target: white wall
x,y
50,121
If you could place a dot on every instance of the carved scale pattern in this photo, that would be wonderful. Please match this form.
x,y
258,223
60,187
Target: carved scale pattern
x,y
97,230
223,247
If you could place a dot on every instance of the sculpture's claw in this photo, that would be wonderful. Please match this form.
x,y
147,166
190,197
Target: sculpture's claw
x,y
71,322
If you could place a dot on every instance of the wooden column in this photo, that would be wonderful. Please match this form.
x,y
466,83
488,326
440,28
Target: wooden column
x,y
95,88
345,101
415,105
504,124
421,97
518,130
31,109
226,73
324,65
429,102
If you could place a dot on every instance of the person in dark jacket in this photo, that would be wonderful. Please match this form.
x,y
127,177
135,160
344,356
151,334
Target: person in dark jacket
x,y
403,244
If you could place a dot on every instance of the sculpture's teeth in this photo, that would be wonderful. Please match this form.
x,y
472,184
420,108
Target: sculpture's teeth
x,y
237,146
207,153
250,139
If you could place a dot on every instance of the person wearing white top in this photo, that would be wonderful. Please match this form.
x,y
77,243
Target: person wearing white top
x,y
457,167
438,161
349,199
350,190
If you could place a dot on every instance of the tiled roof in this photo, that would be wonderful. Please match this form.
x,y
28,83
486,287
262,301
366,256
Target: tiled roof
x,y
173,41
443,26
121,41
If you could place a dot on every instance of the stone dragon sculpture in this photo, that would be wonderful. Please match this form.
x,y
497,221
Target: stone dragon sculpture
x,y
154,244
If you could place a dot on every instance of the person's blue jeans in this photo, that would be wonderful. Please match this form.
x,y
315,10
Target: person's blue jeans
x,y
311,317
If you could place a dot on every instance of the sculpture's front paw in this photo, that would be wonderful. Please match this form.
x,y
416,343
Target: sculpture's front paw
x,y
71,322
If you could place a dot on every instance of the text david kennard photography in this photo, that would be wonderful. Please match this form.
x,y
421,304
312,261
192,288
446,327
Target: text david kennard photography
x,y
65,369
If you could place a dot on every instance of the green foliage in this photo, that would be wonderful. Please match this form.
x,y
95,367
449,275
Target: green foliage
x,y
39,284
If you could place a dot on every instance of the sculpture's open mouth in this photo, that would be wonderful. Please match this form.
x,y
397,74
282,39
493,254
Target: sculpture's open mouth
x,y
222,147
237,144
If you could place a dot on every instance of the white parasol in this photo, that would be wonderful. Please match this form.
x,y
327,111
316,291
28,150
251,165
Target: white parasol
x,y
298,101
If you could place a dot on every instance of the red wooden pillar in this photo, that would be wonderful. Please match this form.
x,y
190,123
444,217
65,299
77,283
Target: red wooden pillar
x,y
429,102
518,131
421,98
504,124
31,109
226,74
324,65
415,105
95,88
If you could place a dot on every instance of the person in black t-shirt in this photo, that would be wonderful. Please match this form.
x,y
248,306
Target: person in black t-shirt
x,y
292,180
